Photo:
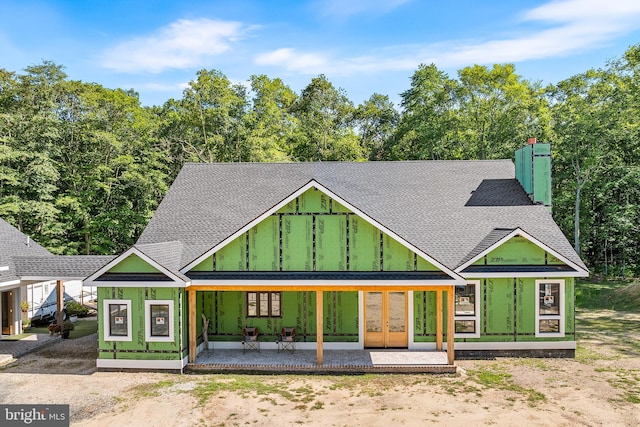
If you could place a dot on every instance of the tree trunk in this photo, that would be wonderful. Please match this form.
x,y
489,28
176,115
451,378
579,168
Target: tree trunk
x,y
576,219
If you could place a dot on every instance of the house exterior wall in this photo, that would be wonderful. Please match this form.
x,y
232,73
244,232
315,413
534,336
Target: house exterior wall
x,y
314,233
138,346
226,311
518,251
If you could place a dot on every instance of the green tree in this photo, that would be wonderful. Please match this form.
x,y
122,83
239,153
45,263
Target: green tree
x,y
213,109
375,120
326,118
269,122
580,109
497,111
29,134
428,118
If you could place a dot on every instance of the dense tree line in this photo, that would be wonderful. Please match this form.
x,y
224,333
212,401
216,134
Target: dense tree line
x,y
83,167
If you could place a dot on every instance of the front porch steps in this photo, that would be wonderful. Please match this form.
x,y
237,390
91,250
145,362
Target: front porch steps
x,y
335,362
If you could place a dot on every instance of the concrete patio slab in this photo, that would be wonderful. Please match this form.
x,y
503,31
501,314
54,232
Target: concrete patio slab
x,y
11,349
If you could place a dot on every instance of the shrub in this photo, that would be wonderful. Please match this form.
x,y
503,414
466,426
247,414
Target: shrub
x,y
74,308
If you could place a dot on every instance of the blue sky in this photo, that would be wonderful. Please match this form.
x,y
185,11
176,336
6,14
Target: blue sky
x,y
362,46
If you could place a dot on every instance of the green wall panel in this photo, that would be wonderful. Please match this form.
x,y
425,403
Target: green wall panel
x,y
553,260
364,245
133,264
337,207
424,265
297,243
138,347
289,207
227,313
264,245
542,179
340,322
500,306
310,233
313,201
526,308
424,316
205,265
570,298
233,256
517,251
396,256
331,243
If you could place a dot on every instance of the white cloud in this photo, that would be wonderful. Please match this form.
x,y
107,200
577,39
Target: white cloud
x,y
573,26
180,45
291,60
555,29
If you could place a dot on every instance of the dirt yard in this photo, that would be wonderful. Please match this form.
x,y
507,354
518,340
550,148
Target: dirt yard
x,y
601,386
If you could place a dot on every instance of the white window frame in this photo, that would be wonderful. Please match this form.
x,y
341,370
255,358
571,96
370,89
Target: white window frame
x,y
559,316
106,321
147,321
475,317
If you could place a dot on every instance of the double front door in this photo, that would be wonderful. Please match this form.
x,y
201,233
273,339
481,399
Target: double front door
x,y
385,319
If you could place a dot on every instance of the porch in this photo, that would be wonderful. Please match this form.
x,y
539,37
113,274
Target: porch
x,y
400,320
334,361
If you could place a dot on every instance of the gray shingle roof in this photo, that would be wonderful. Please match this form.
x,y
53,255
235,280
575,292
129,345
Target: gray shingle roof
x,y
489,240
445,208
15,243
61,266
167,254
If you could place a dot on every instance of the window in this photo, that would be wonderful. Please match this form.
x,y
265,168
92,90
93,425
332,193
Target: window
x,y
467,309
264,304
550,308
117,320
159,320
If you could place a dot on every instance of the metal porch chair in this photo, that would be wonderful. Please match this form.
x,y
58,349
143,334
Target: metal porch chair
x,y
250,339
287,340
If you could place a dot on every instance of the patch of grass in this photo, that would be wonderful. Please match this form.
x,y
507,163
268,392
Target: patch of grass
x,y
620,330
632,398
493,376
626,380
17,337
245,385
620,296
82,328
536,363
152,390
587,355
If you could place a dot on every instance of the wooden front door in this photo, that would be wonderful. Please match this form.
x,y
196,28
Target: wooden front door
x,y
385,317
7,312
